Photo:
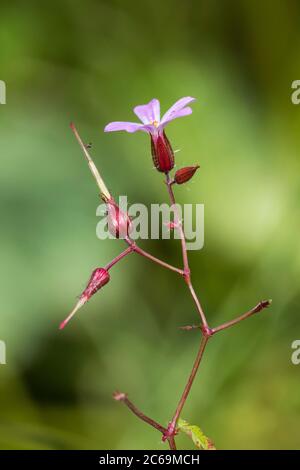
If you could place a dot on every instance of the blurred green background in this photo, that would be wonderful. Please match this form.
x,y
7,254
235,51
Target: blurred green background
x,y
91,62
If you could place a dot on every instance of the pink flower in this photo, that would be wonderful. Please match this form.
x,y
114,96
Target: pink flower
x,y
149,114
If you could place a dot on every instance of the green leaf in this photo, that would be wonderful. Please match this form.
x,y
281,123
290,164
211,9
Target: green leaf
x,y
195,433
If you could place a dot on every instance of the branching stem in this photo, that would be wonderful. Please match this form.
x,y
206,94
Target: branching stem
x,y
169,433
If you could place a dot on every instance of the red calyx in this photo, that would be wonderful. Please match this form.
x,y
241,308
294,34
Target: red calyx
x,y
185,174
162,152
98,279
119,223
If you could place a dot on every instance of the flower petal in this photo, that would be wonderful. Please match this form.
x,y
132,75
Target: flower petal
x,y
177,107
184,112
149,128
148,113
123,126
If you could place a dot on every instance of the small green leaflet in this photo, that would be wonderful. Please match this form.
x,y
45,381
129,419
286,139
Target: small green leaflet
x,y
197,436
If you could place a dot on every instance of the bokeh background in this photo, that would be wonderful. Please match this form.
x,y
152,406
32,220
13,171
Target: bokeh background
x,y
91,62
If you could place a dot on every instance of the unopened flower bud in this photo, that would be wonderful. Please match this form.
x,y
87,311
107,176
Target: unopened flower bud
x,y
119,224
99,278
185,174
162,152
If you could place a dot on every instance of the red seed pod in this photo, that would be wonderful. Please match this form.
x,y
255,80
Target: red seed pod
x,y
119,223
98,279
162,152
185,174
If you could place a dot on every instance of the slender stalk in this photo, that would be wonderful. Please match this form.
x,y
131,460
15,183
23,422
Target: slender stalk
x,y
198,304
102,186
171,442
260,306
120,396
186,391
187,272
179,226
205,328
144,253
79,304
147,255
118,258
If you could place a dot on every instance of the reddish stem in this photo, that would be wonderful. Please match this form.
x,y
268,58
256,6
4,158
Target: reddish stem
x,y
172,443
207,332
170,432
120,396
179,223
118,258
211,331
205,328
198,304
187,271
147,255
173,423
260,306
